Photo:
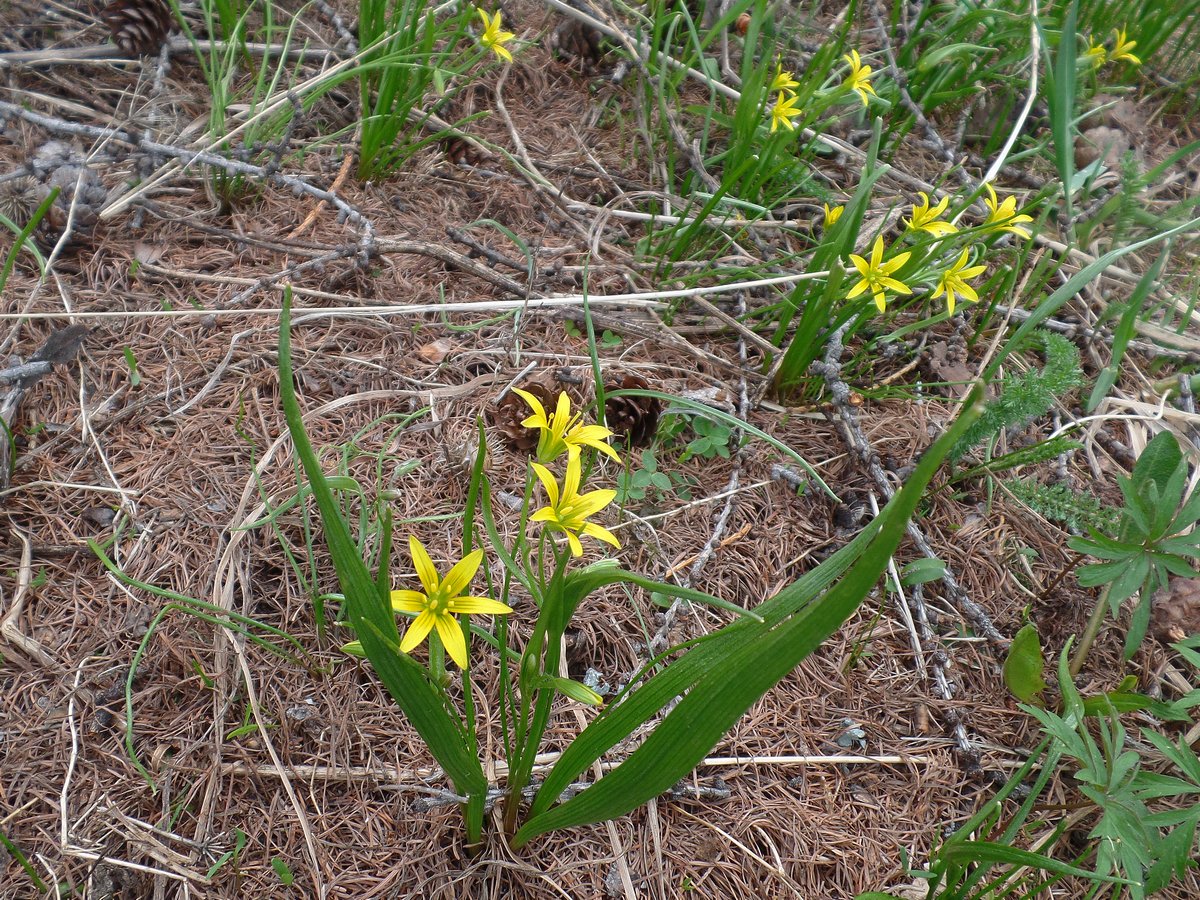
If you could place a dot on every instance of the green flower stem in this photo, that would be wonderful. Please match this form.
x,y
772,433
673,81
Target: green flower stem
x,y
545,645
473,814
437,661
1089,634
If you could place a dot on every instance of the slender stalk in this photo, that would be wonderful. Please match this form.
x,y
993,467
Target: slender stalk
x,y
1089,634
544,645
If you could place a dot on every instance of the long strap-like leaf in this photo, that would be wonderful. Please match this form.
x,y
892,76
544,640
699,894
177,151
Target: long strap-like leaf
x,y
736,674
636,708
368,611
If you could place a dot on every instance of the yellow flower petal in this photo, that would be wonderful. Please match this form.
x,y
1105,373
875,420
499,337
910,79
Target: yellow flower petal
x,y
602,534
478,606
591,503
896,262
408,601
548,482
898,286
426,571
460,575
417,631
539,411
452,637
877,252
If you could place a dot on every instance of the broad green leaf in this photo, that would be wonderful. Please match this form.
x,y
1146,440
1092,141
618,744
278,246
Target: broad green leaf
x,y
282,871
581,693
578,585
1175,854
635,707
736,671
1131,701
1139,622
935,58
922,571
1024,666
367,608
1158,462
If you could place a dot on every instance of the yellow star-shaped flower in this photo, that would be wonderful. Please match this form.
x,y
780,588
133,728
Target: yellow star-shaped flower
x,y
832,214
875,275
568,511
926,219
493,38
563,431
440,602
1121,48
954,280
784,111
859,79
1095,54
783,81
1003,216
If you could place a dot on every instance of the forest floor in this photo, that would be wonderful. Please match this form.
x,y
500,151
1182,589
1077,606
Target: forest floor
x,y
159,435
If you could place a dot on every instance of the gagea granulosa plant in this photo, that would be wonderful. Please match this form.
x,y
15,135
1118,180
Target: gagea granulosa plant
x,y
686,698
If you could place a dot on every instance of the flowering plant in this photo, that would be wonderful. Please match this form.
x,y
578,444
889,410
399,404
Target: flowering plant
x,y
689,695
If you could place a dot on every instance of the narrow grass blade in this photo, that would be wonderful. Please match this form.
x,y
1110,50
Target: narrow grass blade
x,y
1124,331
1062,105
368,608
1073,286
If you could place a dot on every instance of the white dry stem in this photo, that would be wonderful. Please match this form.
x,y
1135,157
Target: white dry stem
x,y
644,299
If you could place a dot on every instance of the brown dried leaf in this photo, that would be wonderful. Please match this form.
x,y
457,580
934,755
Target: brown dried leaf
x,y
436,351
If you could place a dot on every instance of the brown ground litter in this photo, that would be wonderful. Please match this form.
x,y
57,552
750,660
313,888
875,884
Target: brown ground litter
x,y
168,466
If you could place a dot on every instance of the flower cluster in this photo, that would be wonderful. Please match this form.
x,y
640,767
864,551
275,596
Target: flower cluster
x,y
568,511
436,607
1098,54
786,109
859,78
880,274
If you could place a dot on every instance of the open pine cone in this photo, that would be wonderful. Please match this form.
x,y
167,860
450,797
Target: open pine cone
x,y
1175,613
513,410
138,27
634,419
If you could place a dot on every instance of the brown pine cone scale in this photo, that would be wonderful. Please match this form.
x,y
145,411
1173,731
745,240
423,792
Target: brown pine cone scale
x,y
138,27
632,418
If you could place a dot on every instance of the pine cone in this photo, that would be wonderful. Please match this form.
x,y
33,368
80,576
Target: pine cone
x,y
572,42
56,164
513,410
138,27
20,197
459,151
1175,613
632,418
